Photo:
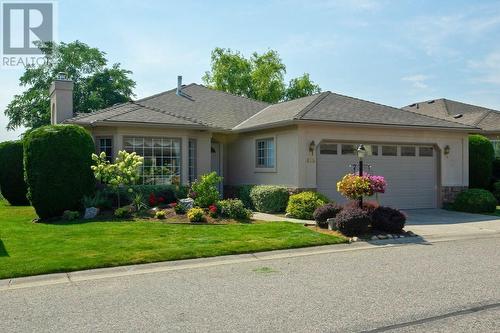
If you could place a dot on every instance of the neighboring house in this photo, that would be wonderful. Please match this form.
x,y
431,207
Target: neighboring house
x,y
308,143
487,120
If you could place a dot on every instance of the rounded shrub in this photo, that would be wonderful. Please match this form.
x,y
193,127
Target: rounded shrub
x,y
325,212
12,182
57,162
481,156
302,205
269,198
196,215
475,201
496,190
353,221
388,219
233,209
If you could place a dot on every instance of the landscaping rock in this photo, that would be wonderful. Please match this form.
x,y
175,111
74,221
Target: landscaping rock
x,y
91,213
389,236
152,211
331,224
382,236
411,234
354,239
187,203
374,238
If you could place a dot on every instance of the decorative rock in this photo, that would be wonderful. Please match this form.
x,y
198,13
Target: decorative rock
x,y
187,203
389,236
90,213
374,238
382,236
411,234
152,211
331,224
354,239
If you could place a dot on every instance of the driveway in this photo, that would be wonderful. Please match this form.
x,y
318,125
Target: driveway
x,y
443,223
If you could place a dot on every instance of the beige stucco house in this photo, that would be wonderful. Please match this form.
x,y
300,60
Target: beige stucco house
x,y
308,143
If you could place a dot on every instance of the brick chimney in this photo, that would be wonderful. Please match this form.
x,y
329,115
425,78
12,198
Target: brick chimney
x,y
61,99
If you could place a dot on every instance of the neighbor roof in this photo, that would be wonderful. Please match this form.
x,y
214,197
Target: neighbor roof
x,y
331,107
472,115
197,106
202,107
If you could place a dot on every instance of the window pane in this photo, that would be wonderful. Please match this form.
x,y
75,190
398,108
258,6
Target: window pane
x,y
374,150
265,153
425,151
408,151
328,149
389,150
348,149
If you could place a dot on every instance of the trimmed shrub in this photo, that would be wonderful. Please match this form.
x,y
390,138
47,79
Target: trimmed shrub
x,y
388,219
481,157
352,221
475,201
161,214
70,215
233,209
243,193
180,209
496,169
123,212
496,190
368,206
57,161
269,198
205,190
12,182
196,215
303,205
325,212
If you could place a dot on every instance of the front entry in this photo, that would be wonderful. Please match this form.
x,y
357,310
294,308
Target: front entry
x,y
215,161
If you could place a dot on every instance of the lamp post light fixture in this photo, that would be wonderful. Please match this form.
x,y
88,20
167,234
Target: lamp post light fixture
x,y
361,155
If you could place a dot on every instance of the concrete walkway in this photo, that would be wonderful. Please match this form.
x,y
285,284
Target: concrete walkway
x,y
273,218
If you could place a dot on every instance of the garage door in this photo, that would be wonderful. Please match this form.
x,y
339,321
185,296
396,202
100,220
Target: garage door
x,y
410,172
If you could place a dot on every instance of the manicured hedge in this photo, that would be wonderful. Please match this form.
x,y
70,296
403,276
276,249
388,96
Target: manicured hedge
x,y
269,198
475,201
388,219
325,212
170,193
481,157
303,205
57,162
12,183
353,221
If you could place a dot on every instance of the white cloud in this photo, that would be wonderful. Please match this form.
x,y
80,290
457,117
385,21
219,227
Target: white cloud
x,y
488,68
417,80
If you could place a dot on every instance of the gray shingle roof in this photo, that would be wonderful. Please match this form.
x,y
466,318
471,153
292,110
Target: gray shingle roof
x,y
207,108
199,106
333,107
473,115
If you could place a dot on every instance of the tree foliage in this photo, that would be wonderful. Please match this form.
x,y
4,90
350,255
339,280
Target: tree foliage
x,y
12,184
262,76
96,85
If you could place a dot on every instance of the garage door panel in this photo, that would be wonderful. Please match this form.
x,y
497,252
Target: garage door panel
x,y
411,180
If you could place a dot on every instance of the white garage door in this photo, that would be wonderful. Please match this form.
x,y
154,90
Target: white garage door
x,y
410,172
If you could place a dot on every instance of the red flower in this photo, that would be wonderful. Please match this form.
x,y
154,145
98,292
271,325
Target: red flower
x,y
152,199
173,204
212,208
161,199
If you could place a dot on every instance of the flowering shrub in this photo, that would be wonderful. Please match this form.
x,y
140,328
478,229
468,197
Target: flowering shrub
x,y
354,186
155,200
196,215
212,211
205,191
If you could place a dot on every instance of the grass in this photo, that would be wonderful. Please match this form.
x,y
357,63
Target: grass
x,y
28,248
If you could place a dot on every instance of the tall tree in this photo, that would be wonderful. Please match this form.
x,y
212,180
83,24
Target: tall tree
x,y
96,85
261,77
300,87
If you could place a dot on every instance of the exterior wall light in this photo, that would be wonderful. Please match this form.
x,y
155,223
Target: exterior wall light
x,y
312,145
446,150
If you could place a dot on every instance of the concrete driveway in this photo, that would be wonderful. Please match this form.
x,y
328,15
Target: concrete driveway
x,y
443,223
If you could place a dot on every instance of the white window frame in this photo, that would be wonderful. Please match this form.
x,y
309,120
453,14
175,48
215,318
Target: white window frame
x,y
98,146
496,147
264,168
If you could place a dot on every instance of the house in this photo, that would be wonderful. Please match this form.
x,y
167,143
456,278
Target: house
x,y
487,120
307,143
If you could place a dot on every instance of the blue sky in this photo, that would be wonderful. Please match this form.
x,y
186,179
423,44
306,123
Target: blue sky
x,y
391,52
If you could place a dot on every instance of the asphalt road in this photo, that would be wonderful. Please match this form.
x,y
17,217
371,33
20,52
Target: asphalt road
x,y
441,287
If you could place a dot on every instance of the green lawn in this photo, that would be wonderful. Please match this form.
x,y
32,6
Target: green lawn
x,y
28,248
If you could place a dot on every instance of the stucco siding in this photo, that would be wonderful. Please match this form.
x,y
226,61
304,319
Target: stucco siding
x,y
241,159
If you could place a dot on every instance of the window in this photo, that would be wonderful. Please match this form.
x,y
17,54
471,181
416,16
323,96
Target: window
x,y
105,145
328,149
372,150
408,151
389,150
162,159
348,149
192,160
496,147
425,151
265,153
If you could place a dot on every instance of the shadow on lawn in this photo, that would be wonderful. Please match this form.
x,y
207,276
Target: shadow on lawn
x,y
3,250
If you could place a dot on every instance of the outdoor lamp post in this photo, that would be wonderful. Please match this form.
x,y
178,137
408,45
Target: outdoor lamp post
x,y
361,154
